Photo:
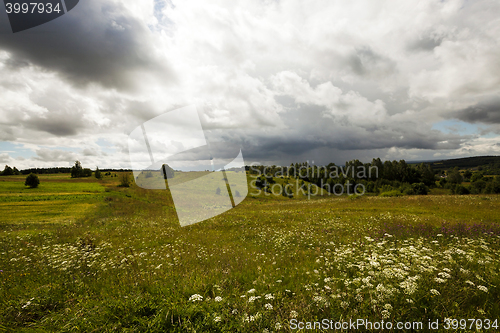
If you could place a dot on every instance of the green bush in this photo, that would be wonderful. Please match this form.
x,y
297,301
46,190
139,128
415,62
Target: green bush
x,y
32,181
459,189
420,189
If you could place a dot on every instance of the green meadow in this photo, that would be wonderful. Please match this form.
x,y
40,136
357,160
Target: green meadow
x,y
85,255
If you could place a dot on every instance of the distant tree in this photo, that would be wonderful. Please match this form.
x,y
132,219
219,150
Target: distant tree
x,y
493,186
16,172
467,174
7,171
98,173
217,191
478,186
476,176
32,181
454,176
77,170
427,174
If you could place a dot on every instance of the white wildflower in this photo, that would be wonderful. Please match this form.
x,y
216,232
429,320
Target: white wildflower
x,y
196,298
482,288
435,292
269,296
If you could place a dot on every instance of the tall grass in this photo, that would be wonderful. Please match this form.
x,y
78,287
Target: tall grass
x,y
126,264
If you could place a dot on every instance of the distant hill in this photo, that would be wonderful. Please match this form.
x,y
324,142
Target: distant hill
x,y
468,163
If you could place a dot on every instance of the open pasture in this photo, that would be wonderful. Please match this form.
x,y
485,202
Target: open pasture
x,y
125,264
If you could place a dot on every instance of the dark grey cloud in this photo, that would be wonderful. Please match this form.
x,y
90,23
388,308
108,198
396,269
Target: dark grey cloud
x,y
98,41
487,112
55,125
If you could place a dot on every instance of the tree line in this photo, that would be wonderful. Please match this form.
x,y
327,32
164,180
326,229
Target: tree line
x,y
389,178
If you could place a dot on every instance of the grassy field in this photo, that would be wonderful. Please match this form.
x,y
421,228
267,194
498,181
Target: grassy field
x,y
89,256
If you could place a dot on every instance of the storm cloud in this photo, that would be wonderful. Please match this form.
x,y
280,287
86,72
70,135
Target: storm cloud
x,y
487,112
97,42
286,82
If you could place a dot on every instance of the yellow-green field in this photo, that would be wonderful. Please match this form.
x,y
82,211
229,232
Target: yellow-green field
x,y
95,257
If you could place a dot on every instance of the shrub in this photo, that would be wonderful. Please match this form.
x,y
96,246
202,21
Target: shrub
x,y
125,180
459,189
420,189
407,189
32,181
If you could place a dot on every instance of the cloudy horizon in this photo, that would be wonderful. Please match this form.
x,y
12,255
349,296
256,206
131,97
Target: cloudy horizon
x,y
289,82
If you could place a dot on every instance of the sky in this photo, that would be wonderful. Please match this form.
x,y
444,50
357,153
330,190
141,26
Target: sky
x,y
287,81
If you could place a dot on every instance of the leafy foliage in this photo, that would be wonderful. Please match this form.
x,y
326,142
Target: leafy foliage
x,y
32,181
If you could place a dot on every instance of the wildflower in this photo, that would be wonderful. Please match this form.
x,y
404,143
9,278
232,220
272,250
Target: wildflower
x,y
470,283
268,306
344,305
269,296
388,307
279,281
218,299
277,326
435,292
251,291
195,298
438,280
385,314
293,314
482,288
409,300
234,311
217,319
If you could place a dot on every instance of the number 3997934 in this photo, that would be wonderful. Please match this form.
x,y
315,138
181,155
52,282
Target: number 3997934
x,y
32,8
